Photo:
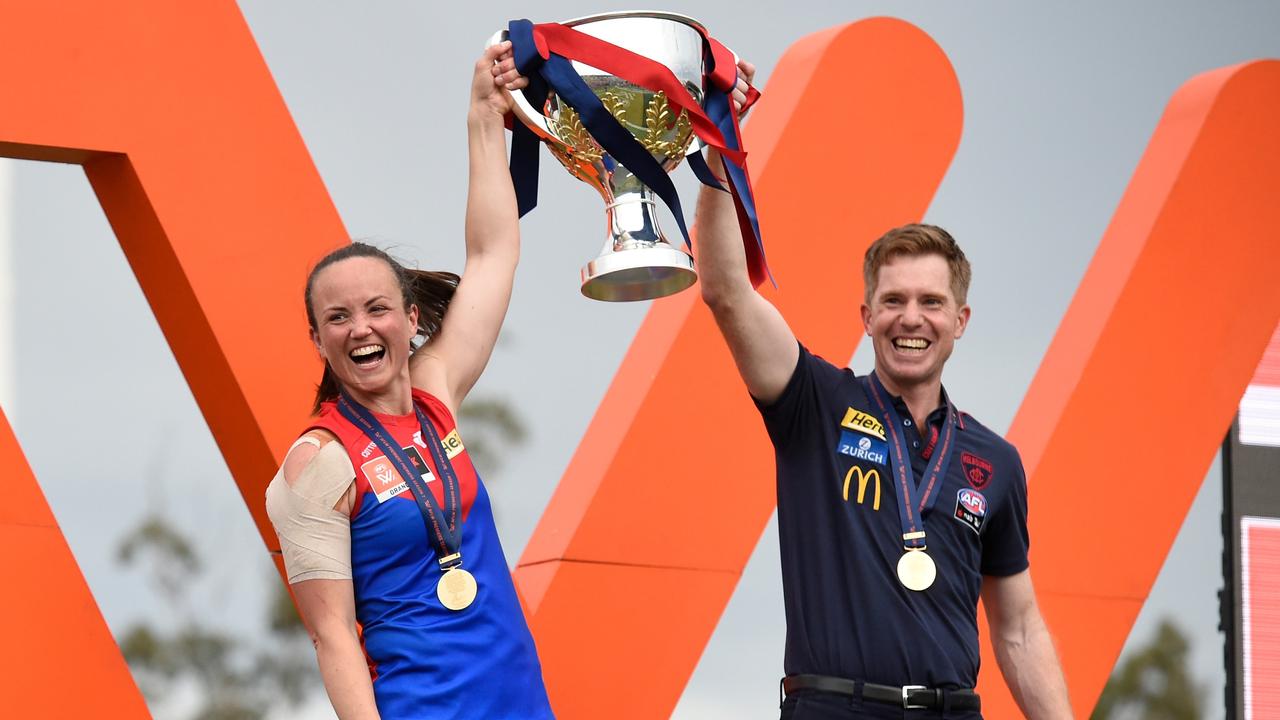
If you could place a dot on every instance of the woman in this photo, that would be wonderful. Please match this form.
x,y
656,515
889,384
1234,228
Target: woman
x,y
381,517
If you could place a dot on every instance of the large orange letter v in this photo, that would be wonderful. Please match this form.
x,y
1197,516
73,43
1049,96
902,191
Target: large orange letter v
x,y
651,526
1146,371
211,193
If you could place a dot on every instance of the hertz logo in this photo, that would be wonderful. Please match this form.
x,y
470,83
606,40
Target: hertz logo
x,y
863,478
452,444
862,422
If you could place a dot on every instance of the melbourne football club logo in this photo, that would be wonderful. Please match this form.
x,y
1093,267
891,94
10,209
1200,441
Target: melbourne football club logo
x,y
971,509
976,470
863,447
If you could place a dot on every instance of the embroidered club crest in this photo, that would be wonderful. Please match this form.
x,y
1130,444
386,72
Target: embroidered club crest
x,y
976,470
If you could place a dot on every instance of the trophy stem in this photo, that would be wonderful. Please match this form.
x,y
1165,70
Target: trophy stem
x,y
637,261
633,222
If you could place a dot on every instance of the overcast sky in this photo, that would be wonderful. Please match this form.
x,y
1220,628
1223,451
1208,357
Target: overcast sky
x,y
1060,100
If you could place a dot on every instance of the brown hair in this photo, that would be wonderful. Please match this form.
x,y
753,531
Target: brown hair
x,y
429,290
912,241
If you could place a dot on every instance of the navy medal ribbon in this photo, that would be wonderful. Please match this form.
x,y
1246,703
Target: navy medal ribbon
x,y
913,501
444,532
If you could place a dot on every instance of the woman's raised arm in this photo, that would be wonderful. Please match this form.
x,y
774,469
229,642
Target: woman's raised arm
x,y
451,362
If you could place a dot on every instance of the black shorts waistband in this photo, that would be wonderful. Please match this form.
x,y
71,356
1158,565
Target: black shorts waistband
x,y
908,697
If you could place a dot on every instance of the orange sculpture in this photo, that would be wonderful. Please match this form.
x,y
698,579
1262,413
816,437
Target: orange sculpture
x,y
1142,380
202,174
205,180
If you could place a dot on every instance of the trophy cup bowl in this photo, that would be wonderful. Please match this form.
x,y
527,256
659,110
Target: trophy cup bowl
x,y
637,262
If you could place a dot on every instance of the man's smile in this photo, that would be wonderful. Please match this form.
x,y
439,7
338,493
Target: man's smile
x,y
911,346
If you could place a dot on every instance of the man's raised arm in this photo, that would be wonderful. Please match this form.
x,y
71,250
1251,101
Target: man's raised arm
x,y
763,346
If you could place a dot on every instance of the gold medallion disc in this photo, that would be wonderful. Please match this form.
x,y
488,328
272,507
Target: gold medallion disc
x,y
456,589
916,570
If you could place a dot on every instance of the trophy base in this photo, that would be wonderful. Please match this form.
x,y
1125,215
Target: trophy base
x,y
639,274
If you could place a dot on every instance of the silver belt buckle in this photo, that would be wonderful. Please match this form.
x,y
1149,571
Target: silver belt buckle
x,y
906,704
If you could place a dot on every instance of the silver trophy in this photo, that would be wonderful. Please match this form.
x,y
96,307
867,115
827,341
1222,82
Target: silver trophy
x,y
637,261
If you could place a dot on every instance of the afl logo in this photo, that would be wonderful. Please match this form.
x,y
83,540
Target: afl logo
x,y
971,509
973,502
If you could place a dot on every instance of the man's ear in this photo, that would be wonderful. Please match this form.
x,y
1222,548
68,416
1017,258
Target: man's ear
x,y
962,320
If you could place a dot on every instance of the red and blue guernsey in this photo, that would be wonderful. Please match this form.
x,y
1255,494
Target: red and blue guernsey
x,y
428,661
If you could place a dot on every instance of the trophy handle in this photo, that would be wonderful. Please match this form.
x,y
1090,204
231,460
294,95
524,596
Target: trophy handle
x,y
697,145
525,112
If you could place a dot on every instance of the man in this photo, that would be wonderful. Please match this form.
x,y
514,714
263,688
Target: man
x,y
895,510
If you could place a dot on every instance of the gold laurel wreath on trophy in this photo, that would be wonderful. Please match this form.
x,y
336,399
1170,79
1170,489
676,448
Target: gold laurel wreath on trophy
x,y
579,146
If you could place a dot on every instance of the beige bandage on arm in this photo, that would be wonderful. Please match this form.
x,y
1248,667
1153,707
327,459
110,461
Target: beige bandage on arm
x,y
315,539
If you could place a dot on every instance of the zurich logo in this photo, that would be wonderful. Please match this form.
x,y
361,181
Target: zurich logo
x,y
861,447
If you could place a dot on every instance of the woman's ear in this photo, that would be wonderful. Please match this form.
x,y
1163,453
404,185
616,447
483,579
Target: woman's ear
x,y
413,321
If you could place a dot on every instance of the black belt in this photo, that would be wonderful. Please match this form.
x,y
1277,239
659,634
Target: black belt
x,y
907,697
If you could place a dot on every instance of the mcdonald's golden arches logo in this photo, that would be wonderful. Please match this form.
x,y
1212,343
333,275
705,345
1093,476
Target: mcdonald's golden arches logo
x,y
864,476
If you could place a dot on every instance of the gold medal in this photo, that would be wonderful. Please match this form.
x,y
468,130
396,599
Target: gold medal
x,y
456,589
916,570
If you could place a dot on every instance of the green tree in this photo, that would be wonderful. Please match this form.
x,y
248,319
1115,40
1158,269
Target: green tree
x,y
490,424
1153,683
237,679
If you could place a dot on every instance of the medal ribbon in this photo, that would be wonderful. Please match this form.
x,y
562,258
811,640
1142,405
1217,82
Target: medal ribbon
x,y
444,532
913,502
543,53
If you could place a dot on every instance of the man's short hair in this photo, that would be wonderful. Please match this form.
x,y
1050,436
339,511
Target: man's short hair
x,y
912,241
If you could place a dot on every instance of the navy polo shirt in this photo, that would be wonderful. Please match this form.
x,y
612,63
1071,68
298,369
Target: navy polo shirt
x,y
847,614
